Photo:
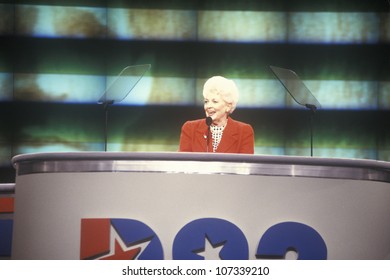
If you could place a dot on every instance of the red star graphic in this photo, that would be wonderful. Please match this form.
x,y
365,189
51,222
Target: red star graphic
x,y
121,254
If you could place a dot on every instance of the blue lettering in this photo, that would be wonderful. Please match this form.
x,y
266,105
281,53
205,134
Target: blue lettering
x,y
292,236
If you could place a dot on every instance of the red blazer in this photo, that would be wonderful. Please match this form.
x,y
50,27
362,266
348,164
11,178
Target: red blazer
x,y
238,137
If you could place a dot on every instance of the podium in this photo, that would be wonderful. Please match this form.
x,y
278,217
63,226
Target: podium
x,y
6,219
108,205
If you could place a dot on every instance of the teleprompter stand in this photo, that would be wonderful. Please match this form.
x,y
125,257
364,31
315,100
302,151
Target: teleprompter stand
x,y
299,93
119,89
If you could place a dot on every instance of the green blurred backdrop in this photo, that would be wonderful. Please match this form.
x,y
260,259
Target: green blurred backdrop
x,y
58,57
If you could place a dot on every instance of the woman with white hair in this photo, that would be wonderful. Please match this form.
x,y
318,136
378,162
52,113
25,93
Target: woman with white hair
x,y
218,132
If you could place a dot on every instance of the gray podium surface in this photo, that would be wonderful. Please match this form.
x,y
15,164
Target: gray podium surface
x,y
343,203
203,163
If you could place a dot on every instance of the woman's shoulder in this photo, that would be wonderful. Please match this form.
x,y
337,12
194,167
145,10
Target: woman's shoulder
x,y
245,128
240,123
194,123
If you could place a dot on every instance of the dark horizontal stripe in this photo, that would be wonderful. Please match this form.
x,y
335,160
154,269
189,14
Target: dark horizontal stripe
x,y
250,5
194,59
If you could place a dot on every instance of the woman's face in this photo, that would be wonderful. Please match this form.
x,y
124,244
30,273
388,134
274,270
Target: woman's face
x,y
216,108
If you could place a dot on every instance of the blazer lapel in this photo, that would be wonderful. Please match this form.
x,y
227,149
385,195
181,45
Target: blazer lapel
x,y
229,138
201,137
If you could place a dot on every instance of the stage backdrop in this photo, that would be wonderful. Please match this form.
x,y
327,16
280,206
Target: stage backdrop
x,y
56,60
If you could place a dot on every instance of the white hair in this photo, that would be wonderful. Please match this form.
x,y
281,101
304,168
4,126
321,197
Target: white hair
x,y
226,88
